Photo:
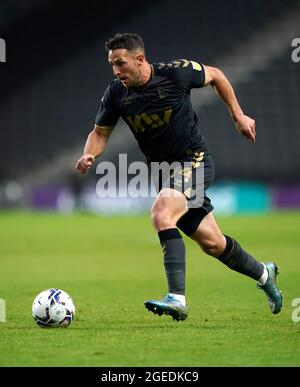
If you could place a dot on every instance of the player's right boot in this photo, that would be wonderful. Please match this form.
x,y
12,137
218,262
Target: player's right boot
x,y
169,306
270,288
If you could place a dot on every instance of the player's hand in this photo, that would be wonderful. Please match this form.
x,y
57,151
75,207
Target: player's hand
x,y
85,163
246,126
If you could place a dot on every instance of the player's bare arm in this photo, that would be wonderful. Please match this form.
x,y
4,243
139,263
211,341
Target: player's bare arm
x,y
217,79
94,147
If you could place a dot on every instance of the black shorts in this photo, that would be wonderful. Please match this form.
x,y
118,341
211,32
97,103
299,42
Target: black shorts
x,y
185,178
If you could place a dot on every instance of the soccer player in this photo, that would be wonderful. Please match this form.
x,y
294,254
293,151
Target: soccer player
x,y
154,100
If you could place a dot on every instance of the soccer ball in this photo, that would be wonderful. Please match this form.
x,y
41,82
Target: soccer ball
x,y
53,308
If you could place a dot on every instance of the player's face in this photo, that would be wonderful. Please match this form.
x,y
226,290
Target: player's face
x,y
127,66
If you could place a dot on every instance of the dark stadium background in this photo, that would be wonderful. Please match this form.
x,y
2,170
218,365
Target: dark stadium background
x,y
56,71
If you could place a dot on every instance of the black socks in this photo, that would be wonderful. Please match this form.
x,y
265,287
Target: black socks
x,y
233,256
174,259
239,260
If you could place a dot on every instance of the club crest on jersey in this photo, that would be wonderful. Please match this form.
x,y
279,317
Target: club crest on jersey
x,y
140,122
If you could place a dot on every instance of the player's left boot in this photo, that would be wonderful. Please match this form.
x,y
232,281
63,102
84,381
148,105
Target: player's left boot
x,y
169,306
270,288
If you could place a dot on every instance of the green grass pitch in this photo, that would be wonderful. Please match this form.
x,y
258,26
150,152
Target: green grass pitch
x,y
111,265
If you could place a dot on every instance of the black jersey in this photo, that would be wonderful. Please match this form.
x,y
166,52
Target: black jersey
x,y
159,113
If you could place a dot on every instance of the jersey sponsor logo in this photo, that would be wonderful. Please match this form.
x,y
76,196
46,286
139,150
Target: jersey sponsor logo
x,y
140,122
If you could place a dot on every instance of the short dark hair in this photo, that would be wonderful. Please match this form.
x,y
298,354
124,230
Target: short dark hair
x,y
128,41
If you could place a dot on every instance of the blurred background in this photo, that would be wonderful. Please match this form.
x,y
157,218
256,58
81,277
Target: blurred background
x,y
56,70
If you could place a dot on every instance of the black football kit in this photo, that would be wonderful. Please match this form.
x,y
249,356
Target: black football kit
x,y
161,117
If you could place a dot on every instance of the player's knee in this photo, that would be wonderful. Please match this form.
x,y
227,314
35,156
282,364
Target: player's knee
x,y
160,219
166,211
211,247
161,216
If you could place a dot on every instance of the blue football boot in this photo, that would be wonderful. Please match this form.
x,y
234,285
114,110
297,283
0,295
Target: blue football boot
x,y
270,288
169,306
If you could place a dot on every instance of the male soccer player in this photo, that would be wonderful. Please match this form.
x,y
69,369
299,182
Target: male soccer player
x,y
154,100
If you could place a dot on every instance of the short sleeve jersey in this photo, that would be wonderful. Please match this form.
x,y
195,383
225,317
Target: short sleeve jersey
x,y
159,113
